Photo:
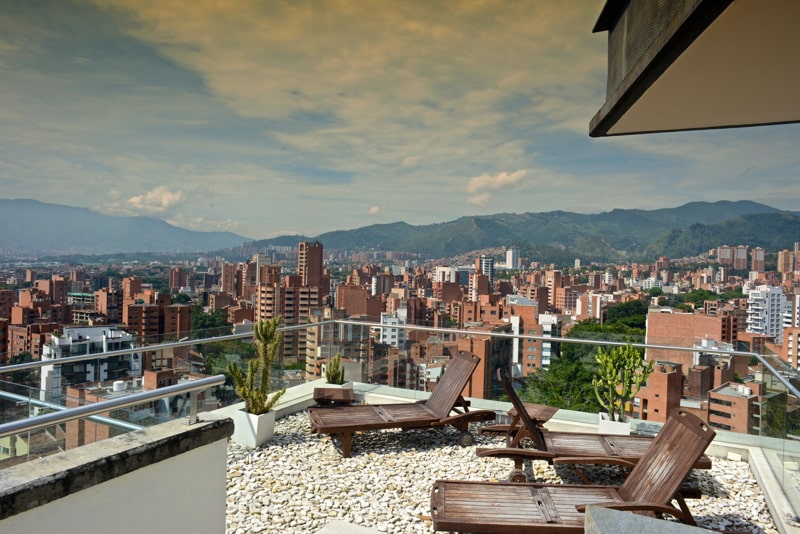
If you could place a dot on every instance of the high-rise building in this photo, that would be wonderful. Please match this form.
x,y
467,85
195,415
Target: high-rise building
x,y
512,258
309,263
740,255
6,302
797,256
177,278
785,261
88,340
553,279
229,280
394,337
765,310
757,263
486,266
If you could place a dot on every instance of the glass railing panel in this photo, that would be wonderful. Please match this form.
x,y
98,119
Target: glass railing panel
x,y
776,419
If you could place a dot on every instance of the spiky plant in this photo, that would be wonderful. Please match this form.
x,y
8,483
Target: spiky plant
x,y
334,373
621,374
253,386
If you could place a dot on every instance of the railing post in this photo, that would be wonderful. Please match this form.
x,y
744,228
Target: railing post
x,y
192,419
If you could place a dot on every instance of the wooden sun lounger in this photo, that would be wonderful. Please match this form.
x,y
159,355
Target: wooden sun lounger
x,y
470,506
573,448
440,409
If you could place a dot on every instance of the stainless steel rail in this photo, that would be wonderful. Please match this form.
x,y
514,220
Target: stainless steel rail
x,y
35,423
110,421
376,326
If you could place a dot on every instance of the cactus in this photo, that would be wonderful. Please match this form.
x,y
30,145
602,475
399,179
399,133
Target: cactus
x,y
253,386
621,374
334,373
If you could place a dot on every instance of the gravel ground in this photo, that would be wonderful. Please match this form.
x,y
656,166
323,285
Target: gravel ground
x,y
299,481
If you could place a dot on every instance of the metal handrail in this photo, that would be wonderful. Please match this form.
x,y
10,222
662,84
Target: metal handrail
x,y
52,406
143,348
54,418
552,339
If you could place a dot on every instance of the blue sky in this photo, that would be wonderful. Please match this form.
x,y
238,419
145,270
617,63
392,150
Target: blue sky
x,y
280,117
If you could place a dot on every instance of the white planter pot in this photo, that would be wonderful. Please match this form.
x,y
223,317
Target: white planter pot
x,y
253,430
606,426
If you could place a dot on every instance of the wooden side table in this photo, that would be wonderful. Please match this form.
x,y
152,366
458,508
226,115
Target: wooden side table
x,y
333,396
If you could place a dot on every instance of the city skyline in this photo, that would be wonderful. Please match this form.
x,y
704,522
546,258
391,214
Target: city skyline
x,y
283,118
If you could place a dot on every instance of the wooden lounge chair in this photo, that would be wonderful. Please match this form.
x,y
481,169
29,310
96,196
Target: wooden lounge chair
x,y
474,506
573,448
439,410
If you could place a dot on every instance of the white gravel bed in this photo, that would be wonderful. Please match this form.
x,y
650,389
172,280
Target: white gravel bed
x,y
299,481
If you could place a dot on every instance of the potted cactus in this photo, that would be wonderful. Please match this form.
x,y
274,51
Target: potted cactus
x,y
621,374
334,373
254,425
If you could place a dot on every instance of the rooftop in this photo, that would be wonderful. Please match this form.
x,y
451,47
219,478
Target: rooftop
x,y
299,482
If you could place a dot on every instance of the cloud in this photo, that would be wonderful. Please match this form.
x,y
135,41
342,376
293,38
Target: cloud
x,y
204,224
374,210
156,200
478,187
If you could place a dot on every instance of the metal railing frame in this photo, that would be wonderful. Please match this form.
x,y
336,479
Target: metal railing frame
x,y
196,385
42,421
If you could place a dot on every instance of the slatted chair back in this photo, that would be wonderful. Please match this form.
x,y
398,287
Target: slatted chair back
x,y
533,429
669,459
457,372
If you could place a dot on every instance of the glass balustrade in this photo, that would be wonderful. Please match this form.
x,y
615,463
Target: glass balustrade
x,y
378,355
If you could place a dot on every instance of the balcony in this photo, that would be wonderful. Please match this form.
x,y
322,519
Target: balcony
x,y
300,483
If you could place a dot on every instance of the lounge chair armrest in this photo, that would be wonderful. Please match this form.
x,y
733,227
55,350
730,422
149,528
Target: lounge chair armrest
x,y
640,506
597,460
518,454
468,417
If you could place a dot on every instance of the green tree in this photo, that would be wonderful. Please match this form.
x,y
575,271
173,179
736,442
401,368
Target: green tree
x,y
699,296
564,384
27,377
208,324
632,314
181,298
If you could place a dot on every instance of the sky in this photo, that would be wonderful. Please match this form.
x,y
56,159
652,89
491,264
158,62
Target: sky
x,y
271,117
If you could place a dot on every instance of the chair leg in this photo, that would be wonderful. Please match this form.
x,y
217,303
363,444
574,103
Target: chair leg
x,y
347,444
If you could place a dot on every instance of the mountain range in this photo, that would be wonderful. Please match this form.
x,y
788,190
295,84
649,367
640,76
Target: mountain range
x,y
33,228
560,236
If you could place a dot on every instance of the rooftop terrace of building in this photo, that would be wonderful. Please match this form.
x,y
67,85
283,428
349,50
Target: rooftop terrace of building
x,y
299,481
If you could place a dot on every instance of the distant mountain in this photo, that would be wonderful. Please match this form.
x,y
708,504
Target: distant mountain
x,y
553,236
770,231
33,228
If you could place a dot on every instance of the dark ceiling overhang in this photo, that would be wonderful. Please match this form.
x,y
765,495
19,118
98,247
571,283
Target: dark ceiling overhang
x,y
699,64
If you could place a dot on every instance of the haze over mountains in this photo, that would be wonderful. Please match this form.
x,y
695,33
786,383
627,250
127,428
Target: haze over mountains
x,y
33,228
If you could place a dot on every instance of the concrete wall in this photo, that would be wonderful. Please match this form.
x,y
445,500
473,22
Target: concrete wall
x,y
169,478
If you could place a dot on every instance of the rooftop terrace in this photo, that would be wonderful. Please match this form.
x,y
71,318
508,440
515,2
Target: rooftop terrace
x,y
299,482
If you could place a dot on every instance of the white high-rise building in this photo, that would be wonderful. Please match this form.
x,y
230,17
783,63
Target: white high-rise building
x,y
487,268
394,337
512,258
765,311
445,274
79,340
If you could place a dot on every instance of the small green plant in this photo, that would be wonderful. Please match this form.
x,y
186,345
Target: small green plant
x,y
621,374
253,386
334,373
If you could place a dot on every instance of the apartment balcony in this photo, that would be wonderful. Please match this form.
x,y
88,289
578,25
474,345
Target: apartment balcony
x,y
299,482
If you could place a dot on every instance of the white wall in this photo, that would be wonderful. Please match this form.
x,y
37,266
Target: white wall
x,y
185,493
